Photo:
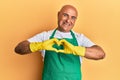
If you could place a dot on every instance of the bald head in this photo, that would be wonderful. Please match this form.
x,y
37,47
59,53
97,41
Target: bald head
x,y
65,7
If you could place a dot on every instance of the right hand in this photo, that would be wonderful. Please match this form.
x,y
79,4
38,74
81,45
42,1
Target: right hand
x,y
45,45
48,44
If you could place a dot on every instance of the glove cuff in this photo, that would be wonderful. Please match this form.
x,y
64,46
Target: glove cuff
x,y
35,46
79,50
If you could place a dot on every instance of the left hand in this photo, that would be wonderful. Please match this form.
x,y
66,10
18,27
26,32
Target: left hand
x,y
68,47
71,49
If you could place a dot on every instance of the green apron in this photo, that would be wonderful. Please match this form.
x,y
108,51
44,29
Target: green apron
x,y
60,66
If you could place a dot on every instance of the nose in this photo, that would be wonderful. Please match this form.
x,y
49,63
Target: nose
x,y
68,20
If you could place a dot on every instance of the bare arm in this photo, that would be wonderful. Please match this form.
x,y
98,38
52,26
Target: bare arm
x,y
95,52
23,48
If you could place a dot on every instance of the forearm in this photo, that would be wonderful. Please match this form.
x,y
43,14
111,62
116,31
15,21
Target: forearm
x,y
23,48
95,52
27,47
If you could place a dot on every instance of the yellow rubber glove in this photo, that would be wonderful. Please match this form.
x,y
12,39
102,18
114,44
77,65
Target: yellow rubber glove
x,y
45,45
71,49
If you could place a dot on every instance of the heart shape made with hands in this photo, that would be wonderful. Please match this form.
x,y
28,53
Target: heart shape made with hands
x,y
61,45
57,45
53,44
68,48
59,42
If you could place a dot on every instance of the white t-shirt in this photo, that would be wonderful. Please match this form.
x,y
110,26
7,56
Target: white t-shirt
x,y
81,39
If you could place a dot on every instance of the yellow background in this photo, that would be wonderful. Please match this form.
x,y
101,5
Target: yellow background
x,y
21,19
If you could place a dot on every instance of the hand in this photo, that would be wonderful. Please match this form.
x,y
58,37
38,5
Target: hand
x,y
48,44
45,45
71,49
68,47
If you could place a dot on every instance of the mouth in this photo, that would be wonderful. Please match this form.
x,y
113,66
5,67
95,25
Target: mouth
x,y
66,24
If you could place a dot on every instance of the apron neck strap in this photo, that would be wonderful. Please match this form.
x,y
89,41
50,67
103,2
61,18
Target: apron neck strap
x,y
52,36
73,36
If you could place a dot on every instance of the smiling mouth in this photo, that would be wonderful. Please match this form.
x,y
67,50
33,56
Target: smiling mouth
x,y
66,24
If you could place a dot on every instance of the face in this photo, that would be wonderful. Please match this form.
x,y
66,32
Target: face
x,y
66,18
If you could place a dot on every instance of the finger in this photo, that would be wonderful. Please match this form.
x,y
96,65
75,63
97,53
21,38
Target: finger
x,y
62,41
51,41
61,51
53,49
56,41
59,43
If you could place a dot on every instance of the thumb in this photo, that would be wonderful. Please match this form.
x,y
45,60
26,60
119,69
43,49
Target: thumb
x,y
61,51
55,40
62,41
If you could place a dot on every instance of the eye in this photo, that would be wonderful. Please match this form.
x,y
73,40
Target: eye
x,y
65,15
73,18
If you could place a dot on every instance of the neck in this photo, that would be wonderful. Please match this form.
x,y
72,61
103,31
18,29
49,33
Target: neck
x,y
62,30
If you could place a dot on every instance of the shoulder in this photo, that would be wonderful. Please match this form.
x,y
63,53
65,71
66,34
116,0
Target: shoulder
x,y
83,40
41,36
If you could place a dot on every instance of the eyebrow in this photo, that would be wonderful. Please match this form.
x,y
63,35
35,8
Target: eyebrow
x,y
68,15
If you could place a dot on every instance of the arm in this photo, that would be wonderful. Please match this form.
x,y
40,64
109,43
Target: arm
x,y
23,47
95,52
27,47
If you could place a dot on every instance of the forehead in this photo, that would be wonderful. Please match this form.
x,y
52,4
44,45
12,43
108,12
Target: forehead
x,y
69,10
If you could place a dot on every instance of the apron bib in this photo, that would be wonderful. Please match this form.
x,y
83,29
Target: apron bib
x,y
60,66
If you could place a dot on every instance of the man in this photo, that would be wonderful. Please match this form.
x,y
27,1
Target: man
x,y
62,48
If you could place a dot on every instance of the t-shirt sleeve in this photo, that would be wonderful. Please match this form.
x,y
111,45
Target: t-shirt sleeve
x,y
38,37
84,41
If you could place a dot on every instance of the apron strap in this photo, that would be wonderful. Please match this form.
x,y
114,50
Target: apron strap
x,y
52,36
73,36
